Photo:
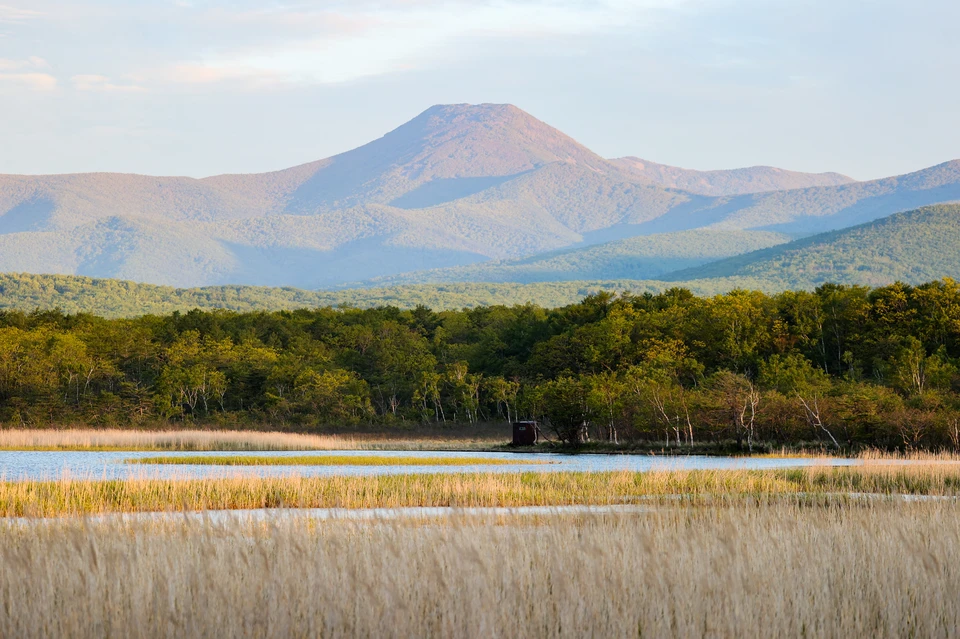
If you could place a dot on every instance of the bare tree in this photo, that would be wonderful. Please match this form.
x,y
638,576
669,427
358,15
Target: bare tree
x,y
814,416
748,414
741,401
953,430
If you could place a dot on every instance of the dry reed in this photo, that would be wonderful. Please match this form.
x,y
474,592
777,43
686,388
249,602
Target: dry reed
x,y
76,497
225,440
882,569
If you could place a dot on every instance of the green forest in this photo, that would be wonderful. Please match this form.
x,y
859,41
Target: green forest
x,y
642,257
840,367
912,246
118,298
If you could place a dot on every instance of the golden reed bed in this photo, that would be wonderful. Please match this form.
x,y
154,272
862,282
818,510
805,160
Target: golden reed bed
x,y
879,569
224,440
488,489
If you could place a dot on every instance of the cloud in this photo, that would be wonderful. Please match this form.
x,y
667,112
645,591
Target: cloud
x,y
43,82
251,45
33,62
196,74
14,15
329,43
103,84
27,73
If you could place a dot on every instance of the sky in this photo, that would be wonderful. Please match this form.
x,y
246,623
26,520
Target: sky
x,y
202,87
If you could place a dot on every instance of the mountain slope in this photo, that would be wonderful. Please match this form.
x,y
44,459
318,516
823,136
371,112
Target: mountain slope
x,y
457,185
812,210
754,179
912,247
636,258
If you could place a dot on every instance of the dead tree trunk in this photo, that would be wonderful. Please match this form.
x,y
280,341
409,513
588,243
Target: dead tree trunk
x,y
812,410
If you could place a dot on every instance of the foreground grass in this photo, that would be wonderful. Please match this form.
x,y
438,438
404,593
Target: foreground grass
x,y
883,569
328,460
77,497
78,439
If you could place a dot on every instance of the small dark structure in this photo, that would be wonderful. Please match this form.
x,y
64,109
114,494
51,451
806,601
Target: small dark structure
x,y
525,433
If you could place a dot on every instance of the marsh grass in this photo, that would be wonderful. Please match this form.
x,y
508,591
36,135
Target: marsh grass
x,y
878,569
329,460
874,455
78,497
227,440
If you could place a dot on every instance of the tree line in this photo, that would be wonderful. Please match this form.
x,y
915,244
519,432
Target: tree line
x,y
842,366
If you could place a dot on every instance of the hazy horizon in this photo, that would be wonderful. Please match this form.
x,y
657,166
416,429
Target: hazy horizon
x,y
207,87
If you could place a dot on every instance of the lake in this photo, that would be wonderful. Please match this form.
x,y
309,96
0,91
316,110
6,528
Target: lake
x,y
27,465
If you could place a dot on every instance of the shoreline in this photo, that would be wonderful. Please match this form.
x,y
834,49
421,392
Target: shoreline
x,y
484,439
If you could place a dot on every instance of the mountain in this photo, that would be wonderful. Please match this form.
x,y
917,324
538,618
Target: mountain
x,y
455,186
643,257
754,179
816,209
912,247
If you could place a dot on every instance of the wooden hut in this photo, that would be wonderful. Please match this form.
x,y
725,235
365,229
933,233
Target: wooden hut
x,y
525,433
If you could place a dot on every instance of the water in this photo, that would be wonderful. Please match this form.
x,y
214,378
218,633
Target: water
x,y
26,465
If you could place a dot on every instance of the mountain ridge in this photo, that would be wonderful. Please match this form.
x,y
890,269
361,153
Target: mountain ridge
x,y
456,185
724,182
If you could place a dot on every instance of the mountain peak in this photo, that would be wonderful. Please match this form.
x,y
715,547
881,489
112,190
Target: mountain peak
x,y
469,140
460,148
467,109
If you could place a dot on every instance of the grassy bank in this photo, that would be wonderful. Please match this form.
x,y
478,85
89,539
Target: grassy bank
x,y
80,439
73,497
725,448
327,460
875,570
488,437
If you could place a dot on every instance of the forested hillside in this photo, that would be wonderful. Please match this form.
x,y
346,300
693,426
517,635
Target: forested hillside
x,y
912,247
842,366
645,257
116,298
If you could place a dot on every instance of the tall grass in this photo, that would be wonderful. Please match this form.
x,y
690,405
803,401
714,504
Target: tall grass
x,y
174,440
874,455
76,497
882,569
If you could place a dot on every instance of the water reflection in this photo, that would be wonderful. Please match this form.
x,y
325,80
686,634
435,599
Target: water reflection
x,y
21,465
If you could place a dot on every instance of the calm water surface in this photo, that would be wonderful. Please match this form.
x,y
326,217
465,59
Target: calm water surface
x,y
16,465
